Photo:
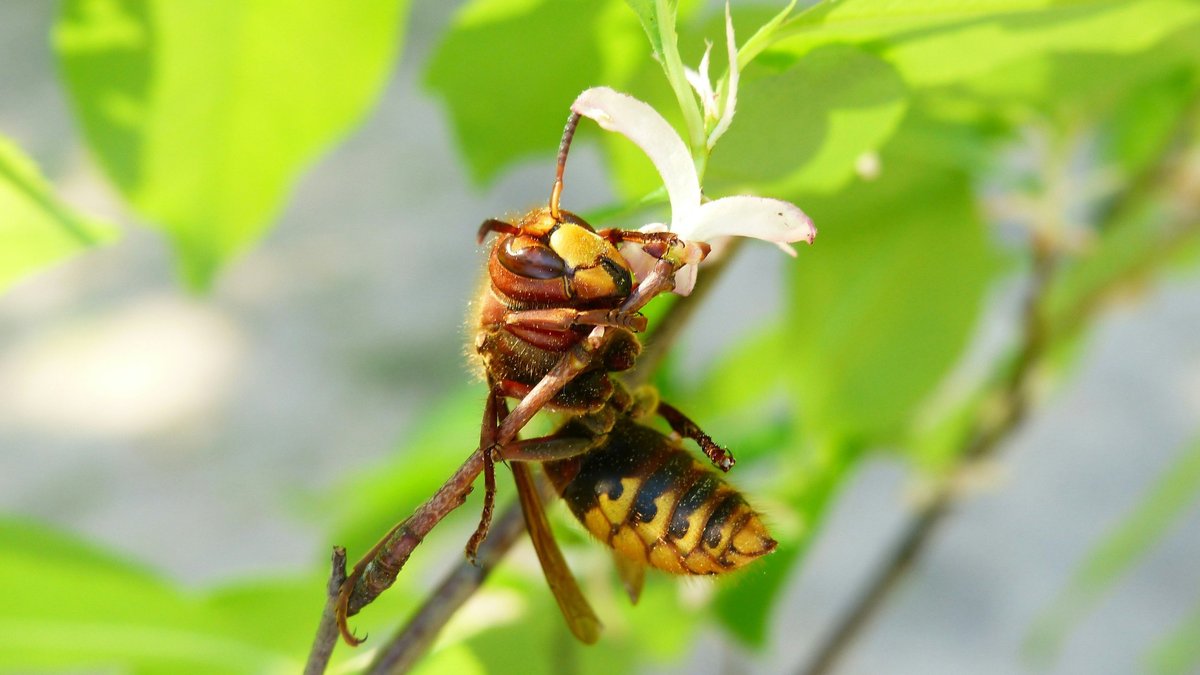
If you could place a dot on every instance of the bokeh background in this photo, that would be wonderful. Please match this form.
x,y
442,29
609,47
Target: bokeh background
x,y
216,437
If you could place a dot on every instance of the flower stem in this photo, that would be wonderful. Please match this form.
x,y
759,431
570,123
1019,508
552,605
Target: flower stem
x,y
673,67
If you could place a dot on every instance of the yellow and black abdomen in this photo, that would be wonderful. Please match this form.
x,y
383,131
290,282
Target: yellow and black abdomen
x,y
650,500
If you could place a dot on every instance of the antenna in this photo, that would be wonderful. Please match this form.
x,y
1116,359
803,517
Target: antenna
x,y
563,147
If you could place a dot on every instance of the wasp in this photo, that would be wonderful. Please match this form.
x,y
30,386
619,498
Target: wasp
x,y
551,278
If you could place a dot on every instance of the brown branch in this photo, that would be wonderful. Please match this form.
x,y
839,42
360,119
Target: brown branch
x,y
327,629
410,643
415,638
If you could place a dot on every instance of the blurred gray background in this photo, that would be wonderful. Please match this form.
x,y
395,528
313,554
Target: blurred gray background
x,y
135,414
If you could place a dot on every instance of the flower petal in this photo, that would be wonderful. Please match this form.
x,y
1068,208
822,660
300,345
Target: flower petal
x,y
730,104
685,280
642,124
768,219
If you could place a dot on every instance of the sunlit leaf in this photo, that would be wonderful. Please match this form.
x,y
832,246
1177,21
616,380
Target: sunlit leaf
x,y
981,35
205,113
810,481
1120,550
649,18
885,301
528,62
840,102
369,504
36,229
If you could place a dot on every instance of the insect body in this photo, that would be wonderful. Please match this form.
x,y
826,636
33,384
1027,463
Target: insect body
x,y
550,279
645,496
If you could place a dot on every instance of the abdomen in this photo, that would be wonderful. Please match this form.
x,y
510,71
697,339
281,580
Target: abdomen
x,y
649,499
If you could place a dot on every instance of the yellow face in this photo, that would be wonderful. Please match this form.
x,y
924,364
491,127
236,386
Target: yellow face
x,y
598,269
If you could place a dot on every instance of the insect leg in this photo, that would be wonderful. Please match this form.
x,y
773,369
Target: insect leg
x,y
720,457
547,448
562,318
487,439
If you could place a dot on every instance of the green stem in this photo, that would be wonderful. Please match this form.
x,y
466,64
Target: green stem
x,y
673,67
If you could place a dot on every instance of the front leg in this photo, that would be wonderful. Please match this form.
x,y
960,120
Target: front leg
x,y
564,318
662,245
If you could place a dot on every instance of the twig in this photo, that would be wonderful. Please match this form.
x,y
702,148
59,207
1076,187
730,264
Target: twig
x,y
327,629
415,638
409,644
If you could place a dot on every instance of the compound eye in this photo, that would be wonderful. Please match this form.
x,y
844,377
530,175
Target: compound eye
x,y
531,259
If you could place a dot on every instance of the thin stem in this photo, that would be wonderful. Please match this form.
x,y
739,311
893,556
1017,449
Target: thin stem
x,y
412,641
327,629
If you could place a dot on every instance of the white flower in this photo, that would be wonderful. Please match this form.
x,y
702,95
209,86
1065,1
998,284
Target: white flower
x,y
772,220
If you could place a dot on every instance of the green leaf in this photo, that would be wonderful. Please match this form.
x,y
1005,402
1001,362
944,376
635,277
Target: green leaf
x,y
204,114
368,505
649,18
983,34
810,480
68,604
1010,34
508,72
36,230
1176,490
802,127
885,300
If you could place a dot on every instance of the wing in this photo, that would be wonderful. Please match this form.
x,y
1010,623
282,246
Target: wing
x,y
575,608
632,573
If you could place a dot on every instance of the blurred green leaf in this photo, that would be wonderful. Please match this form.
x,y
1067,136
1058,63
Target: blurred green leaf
x,y
1120,550
918,35
809,481
886,299
369,504
803,127
649,18
68,604
457,659
1179,653
1013,32
275,613
205,113
509,70
36,230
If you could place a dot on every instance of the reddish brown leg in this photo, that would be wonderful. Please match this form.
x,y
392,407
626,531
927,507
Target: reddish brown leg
x,y
563,318
541,449
547,448
685,427
487,439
